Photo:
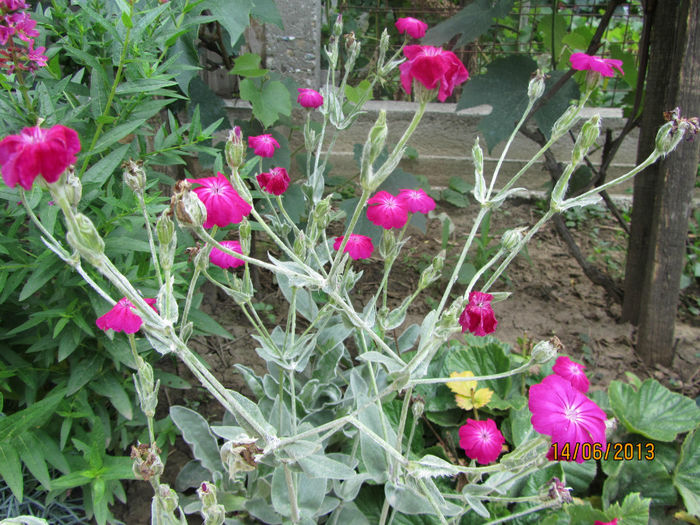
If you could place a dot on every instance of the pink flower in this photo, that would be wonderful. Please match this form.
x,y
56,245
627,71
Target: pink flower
x,y
561,411
613,522
37,151
572,372
387,210
481,440
276,182
417,200
224,205
358,246
122,318
309,98
263,145
432,66
12,5
412,26
478,316
604,66
224,260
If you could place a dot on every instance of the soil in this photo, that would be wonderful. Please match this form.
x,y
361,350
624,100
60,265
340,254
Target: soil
x,y
550,296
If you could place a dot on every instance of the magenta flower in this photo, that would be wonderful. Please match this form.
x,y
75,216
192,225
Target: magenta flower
x,y
604,66
478,316
263,145
561,411
613,522
417,200
37,151
573,372
276,182
387,210
412,26
358,246
309,98
224,205
432,66
122,318
224,260
481,440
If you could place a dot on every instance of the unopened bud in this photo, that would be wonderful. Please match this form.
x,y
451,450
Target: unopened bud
x,y
668,138
167,240
383,47
543,352
586,138
244,236
73,188
480,182
535,88
300,245
338,26
309,136
387,245
321,213
373,147
433,272
167,498
418,407
213,513
85,239
512,238
566,121
235,148
352,47
134,175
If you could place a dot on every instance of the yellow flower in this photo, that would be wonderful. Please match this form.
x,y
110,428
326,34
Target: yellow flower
x,y
467,395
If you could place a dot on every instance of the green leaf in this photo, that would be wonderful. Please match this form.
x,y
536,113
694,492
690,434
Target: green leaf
x,y
11,469
633,511
579,475
196,433
649,478
357,93
83,372
108,386
143,86
320,466
686,477
233,16
32,454
266,11
653,411
455,198
481,360
46,268
98,93
211,107
460,185
269,102
248,65
117,133
471,22
33,416
207,324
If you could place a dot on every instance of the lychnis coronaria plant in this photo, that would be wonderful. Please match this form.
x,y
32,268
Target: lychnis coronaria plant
x,y
334,432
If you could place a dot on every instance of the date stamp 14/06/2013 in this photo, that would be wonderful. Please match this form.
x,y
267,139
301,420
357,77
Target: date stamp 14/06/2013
x,y
609,451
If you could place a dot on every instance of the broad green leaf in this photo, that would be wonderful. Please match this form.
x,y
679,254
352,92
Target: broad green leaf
x,y
32,455
83,372
266,11
653,411
504,88
108,386
211,107
254,412
357,93
311,493
248,65
233,16
649,478
633,511
98,93
208,325
305,304
455,198
11,469
31,417
269,101
553,33
579,475
548,114
321,466
471,22
686,477
481,360
196,433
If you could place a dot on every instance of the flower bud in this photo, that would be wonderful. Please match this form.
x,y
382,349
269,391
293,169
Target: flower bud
x,y
300,245
352,47
417,407
667,138
386,247
309,136
564,123
433,272
338,26
134,175
85,239
167,498
235,148
189,210
383,47
146,389
373,147
543,352
244,236
535,88
73,188
480,182
167,240
213,513
512,238
586,138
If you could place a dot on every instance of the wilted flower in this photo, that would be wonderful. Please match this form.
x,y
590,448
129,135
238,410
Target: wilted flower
x,y
467,395
309,98
478,316
414,27
432,66
481,440
604,66
122,318
561,411
224,260
572,372
358,246
387,210
224,205
559,491
263,145
275,182
417,200
37,151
